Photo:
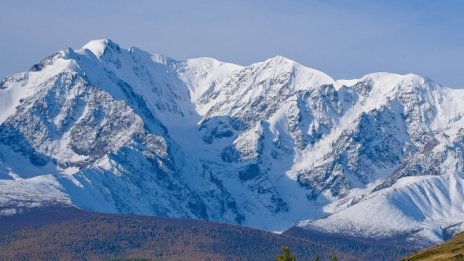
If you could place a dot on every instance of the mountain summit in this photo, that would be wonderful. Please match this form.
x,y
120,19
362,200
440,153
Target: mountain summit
x,y
268,145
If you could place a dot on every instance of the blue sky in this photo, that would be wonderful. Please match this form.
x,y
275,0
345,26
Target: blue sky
x,y
346,39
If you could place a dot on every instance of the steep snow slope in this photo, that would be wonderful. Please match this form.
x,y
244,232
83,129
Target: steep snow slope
x,y
266,145
423,207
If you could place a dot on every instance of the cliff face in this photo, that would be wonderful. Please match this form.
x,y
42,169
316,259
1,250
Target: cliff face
x,y
266,145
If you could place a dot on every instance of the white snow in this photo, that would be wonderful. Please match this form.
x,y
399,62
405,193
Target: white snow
x,y
268,96
97,47
427,203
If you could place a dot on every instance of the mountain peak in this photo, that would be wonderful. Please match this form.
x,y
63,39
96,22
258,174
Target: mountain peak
x,y
386,76
391,81
280,60
263,145
99,46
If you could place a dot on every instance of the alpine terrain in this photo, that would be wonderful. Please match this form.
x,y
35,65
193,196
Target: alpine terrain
x,y
271,145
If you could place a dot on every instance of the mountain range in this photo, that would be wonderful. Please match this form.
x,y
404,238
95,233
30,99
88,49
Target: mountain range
x,y
273,145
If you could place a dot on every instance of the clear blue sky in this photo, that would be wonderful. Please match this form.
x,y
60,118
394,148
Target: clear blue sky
x,y
346,39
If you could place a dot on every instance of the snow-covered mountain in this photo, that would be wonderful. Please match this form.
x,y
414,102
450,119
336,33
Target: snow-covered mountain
x,y
266,145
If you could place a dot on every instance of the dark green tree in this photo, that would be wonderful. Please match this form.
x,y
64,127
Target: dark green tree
x,y
286,256
334,258
316,258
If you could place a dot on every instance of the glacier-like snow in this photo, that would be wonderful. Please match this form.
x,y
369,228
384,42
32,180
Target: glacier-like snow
x,y
267,145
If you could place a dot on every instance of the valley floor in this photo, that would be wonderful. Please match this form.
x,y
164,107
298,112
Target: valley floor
x,y
65,233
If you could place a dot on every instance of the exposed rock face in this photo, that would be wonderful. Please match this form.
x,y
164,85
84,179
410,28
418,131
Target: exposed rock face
x,y
266,145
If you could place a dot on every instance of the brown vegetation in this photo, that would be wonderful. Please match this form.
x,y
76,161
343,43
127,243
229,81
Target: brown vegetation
x,y
91,236
452,249
362,248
